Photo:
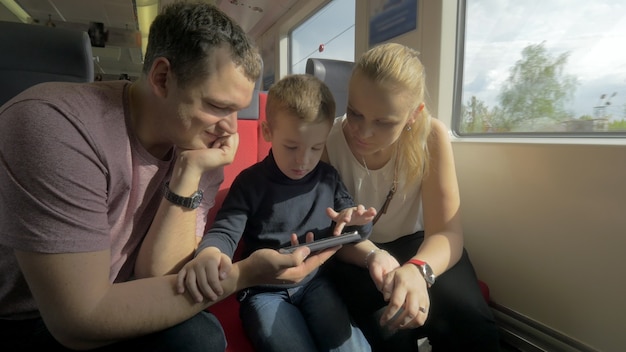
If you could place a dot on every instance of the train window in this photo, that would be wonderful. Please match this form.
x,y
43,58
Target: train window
x,y
541,67
328,34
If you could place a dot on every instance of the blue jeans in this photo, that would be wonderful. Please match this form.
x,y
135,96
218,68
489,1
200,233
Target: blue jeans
x,y
311,317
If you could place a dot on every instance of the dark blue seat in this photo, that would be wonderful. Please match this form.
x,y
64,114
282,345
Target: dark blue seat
x,y
336,74
32,54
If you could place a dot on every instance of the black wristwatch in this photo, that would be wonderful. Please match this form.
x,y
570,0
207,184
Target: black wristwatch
x,y
188,202
425,269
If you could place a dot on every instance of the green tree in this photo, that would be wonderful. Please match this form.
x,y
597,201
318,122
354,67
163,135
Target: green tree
x,y
617,126
537,88
478,117
475,115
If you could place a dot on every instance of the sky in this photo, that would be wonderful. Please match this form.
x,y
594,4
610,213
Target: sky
x,y
592,32
333,26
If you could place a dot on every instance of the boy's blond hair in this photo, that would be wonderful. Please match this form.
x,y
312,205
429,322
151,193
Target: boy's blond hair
x,y
304,96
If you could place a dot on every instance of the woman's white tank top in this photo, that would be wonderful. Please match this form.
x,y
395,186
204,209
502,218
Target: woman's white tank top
x,y
370,188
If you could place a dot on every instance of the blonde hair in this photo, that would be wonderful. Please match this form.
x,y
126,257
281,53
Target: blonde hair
x,y
304,96
398,68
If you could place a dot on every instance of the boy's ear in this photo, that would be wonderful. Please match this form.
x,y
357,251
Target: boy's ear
x,y
266,131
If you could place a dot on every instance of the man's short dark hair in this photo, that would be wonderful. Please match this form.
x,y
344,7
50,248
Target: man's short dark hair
x,y
186,33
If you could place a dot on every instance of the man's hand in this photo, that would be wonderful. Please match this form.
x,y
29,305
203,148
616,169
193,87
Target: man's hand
x,y
201,276
220,153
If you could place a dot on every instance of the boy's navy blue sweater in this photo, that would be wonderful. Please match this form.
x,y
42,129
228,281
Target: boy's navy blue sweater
x,y
264,207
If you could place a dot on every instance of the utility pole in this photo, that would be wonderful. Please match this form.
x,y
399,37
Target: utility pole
x,y
599,111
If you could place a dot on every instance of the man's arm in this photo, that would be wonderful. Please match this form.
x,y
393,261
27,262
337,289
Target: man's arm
x,y
171,240
83,310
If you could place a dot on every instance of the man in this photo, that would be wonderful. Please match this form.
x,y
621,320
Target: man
x,y
104,189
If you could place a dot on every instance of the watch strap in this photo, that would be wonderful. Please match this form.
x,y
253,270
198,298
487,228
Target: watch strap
x,y
417,262
425,269
188,202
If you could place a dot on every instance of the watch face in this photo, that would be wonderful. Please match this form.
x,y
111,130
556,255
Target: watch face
x,y
196,199
429,276
188,202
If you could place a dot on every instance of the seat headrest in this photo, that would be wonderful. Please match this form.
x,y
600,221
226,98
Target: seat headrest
x,y
336,74
33,54
252,112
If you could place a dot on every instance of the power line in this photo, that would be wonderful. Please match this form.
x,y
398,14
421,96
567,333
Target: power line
x,y
328,42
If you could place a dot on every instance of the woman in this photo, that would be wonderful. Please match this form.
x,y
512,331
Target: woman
x,y
413,278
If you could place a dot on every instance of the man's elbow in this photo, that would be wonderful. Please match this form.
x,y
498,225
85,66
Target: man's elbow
x,y
74,340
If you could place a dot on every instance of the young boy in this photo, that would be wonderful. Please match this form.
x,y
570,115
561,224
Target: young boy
x,y
288,195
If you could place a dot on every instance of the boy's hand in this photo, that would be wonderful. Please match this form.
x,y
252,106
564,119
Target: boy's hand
x,y
201,276
268,266
309,237
350,216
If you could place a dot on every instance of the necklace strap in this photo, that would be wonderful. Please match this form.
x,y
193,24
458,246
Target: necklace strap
x,y
392,191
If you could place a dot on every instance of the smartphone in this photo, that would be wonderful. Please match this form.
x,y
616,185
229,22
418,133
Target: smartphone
x,y
332,241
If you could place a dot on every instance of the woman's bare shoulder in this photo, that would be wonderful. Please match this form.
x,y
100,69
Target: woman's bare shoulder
x,y
439,134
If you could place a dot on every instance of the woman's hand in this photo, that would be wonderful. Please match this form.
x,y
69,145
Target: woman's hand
x,y
406,291
379,263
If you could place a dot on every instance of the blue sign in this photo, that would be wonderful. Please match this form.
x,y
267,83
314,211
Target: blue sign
x,y
396,17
